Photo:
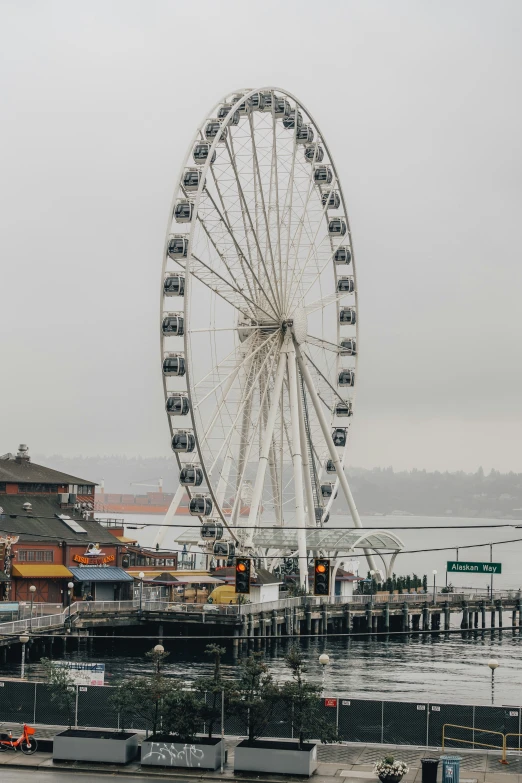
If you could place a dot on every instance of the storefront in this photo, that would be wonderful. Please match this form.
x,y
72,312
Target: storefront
x,y
50,582
102,583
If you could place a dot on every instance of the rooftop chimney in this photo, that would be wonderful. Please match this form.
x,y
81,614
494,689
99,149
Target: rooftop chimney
x,y
23,454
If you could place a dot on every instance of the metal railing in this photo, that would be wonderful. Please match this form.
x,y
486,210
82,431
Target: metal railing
x,y
38,623
474,742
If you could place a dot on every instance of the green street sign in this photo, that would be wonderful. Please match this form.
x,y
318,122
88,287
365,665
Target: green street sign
x,y
461,567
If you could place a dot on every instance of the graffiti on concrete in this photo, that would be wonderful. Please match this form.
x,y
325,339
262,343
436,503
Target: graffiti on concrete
x,y
172,754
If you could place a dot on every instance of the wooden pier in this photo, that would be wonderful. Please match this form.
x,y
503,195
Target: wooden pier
x,y
253,625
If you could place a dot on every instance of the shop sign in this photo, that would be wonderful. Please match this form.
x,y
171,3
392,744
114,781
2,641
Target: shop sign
x,y
330,702
94,560
84,673
94,556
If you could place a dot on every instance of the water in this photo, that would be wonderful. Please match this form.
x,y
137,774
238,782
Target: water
x,y
429,668
425,668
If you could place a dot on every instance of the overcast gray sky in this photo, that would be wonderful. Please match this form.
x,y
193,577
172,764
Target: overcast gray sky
x,y
420,104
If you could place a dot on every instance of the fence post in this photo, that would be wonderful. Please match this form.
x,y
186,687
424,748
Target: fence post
x,y
34,703
382,722
76,709
427,725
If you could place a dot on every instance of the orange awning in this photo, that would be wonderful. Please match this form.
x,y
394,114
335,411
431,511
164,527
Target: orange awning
x,y
38,571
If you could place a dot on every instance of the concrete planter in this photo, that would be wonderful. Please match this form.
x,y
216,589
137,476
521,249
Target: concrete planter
x,y
164,750
275,758
112,747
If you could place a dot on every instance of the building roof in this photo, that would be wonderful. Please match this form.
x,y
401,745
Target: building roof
x,y
263,577
16,470
39,571
100,574
44,524
328,539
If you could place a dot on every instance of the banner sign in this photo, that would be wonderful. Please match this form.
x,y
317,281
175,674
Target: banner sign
x,y
330,702
461,567
84,673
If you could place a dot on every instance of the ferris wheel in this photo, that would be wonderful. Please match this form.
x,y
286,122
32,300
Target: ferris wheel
x,y
259,324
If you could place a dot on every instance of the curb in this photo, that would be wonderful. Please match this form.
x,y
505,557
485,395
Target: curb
x,y
166,774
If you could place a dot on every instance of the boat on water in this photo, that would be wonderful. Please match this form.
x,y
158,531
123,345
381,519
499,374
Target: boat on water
x,y
151,503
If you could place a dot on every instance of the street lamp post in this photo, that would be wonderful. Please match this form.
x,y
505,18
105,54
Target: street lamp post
x,y
23,639
142,577
434,588
493,664
32,590
159,650
324,660
70,586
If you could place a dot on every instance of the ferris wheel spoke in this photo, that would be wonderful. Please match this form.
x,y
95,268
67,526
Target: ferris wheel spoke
x,y
290,189
249,218
240,409
245,361
324,378
320,304
225,221
222,257
242,258
320,343
297,283
310,189
276,191
262,197
234,296
229,293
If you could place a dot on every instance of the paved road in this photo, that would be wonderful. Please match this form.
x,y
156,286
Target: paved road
x,y
57,776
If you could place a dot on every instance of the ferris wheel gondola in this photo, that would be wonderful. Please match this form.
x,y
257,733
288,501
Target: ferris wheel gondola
x,y
257,238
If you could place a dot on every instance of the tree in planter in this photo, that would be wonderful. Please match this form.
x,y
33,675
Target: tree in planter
x,y
63,688
182,714
141,698
255,695
213,689
304,703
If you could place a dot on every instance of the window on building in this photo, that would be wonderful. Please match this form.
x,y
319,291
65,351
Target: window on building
x,y
35,555
85,489
2,486
47,488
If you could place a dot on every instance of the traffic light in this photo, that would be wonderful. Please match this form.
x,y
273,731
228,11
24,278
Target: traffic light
x,y
243,575
322,576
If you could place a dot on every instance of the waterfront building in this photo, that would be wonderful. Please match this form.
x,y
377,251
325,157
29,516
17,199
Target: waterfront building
x,y
48,537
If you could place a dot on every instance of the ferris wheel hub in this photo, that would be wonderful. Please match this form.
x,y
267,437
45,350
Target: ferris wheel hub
x,y
298,323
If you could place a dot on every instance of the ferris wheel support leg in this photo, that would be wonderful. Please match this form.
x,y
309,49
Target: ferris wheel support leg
x,y
169,516
306,464
223,479
297,461
333,451
263,458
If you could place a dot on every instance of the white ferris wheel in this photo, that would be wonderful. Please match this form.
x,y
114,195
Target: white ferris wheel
x,y
258,327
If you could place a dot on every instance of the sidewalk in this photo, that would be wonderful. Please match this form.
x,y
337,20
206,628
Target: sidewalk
x,y
347,763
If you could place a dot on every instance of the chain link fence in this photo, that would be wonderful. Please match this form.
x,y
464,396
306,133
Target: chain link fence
x,y
356,720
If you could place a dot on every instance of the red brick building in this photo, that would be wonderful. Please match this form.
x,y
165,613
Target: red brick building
x,y
47,529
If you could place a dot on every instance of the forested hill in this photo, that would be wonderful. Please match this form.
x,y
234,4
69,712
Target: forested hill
x,y
377,491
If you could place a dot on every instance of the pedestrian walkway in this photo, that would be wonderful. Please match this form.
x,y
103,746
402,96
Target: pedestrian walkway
x,y
346,763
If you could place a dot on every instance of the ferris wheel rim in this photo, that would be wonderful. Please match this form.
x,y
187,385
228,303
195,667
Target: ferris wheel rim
x,y
245,95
